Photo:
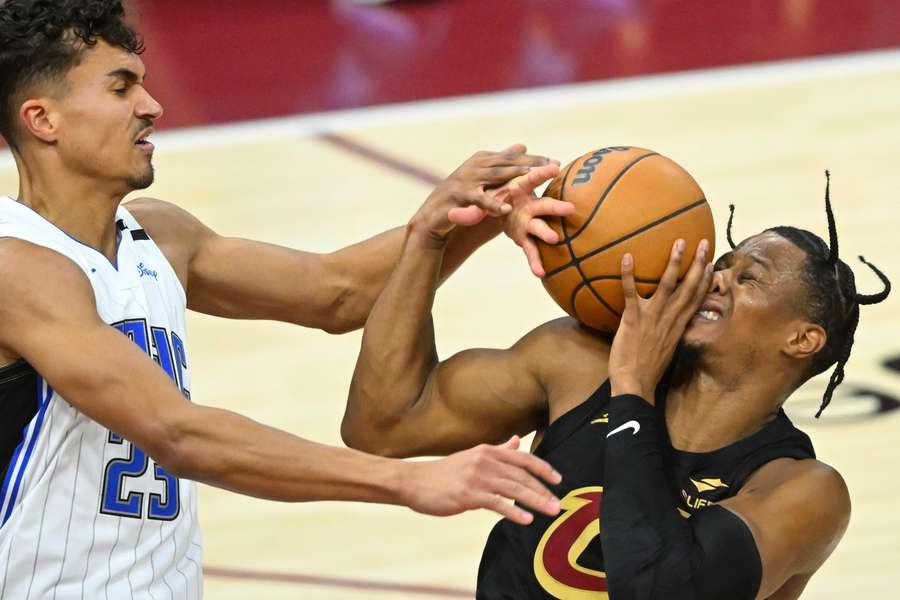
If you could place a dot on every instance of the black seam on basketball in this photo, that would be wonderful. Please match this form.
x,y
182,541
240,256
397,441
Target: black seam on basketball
x,y
577,260
562,220
562,193
608,189
584,283
566,238
587,282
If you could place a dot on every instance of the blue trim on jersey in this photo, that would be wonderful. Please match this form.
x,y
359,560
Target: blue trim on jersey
x,y
39,420
114,263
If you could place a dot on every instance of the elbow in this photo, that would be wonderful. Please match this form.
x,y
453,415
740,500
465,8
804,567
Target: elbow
x,y
359,436
372,439
365,427
172,446
167,450
348,305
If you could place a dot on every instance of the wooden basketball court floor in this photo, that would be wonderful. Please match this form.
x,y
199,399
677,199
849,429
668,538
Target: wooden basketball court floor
x,y
757,136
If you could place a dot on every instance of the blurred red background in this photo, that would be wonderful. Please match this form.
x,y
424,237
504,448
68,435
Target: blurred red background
x,y
213,61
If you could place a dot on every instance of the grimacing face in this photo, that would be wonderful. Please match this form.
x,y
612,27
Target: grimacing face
x,y
104,115
752,307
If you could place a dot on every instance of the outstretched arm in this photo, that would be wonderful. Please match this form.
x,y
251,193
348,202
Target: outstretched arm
x,y
105,376
768,539
403,401
238,278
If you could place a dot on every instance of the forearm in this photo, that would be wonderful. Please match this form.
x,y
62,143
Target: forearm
x,y
368,265
398,349
227,450
649,550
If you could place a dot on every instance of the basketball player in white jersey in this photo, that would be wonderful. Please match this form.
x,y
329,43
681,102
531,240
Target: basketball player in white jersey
x,y
99,446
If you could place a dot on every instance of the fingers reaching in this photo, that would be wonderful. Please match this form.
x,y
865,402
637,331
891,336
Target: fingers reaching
x,y
696,282
515,149
533,255
529,462
497,504
669,280
628,288
466,216
526,183
499,175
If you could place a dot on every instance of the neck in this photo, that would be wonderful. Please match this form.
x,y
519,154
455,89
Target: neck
x,y
82,206
711,410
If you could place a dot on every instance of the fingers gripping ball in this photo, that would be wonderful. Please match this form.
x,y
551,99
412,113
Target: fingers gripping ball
x,y
628,200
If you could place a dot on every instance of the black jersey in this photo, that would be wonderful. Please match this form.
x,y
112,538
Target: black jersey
x,y
560,557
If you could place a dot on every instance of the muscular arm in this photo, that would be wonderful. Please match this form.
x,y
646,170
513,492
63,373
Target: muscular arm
x,y
405,402
104,375
763,543
239,278
797,511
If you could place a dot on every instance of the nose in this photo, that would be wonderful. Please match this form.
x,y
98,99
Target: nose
x,y
720,282
148,108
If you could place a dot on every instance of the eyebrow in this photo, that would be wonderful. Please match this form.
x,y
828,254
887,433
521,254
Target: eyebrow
x,y
127,75
765,262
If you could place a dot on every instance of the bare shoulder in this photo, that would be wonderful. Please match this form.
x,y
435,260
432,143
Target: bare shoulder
x,y
165,221
26,268
27,299
811,481
566,334
177,233
571,361
798,511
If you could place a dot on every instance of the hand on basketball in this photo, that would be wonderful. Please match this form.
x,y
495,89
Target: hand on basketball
x,y
525,223
465,198
651,328
483,477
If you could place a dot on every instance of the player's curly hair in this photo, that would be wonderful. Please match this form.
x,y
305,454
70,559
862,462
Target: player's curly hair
x,y
41,40
832,300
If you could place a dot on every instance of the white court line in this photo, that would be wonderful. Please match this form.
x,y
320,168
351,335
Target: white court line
x,y
645,86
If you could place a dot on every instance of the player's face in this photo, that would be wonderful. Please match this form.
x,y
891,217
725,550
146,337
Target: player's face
x,y
752,301
103,115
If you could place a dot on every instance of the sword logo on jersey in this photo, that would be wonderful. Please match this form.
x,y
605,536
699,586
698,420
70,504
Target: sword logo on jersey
x,y
703,485
556,560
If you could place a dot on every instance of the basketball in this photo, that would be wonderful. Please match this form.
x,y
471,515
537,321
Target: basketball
x,y
628,200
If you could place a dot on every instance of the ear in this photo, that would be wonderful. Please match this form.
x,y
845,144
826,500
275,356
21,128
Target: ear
x,y
805,340
39,120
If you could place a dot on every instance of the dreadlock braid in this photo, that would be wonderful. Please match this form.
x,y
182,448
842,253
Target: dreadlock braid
x,y
832,301
832,229
728,229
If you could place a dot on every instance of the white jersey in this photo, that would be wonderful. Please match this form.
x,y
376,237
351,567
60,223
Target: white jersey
x,y
84,513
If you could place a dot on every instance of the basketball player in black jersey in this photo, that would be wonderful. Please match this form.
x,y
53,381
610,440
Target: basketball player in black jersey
x,y
681,480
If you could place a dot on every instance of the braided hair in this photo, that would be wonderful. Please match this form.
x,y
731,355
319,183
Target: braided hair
x,y
832,300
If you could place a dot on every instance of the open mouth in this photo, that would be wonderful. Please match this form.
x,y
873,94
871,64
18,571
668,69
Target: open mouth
x,y
709,315
709,312
143,141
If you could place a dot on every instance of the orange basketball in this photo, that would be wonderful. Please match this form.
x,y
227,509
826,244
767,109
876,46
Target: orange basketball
x,y
628,200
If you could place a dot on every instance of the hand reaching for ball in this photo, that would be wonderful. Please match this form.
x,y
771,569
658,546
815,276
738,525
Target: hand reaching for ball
x,y
497,184
651,327
525,222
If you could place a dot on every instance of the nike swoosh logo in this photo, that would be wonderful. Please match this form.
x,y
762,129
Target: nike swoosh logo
x,y
627,425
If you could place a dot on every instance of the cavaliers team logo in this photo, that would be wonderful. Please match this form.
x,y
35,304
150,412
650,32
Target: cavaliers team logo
x,y
556,559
